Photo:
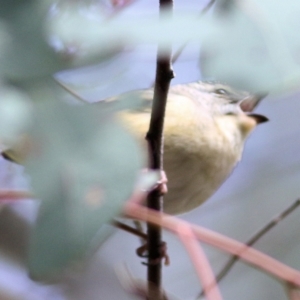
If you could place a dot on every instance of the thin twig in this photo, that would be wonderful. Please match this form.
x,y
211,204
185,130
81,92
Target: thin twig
x,y
248,254
182,47
130,229
255,238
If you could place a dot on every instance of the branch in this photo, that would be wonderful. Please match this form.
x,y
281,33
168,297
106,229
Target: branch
x,y
248,254
164,74
130,229
257,236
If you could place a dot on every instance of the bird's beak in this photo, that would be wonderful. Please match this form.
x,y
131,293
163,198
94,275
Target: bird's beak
x,y
258,118
248,104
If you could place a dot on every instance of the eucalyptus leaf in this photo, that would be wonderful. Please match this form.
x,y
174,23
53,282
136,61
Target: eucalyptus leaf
x,y
28,54
15,114
33,51
88,32
84,168
254,46
72,30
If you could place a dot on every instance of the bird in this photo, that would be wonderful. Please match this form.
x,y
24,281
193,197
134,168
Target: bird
x,y
205,129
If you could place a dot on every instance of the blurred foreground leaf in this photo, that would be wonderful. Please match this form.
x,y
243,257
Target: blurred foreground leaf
x,y
254,46
26,54
15,114
38,39
72,29
250,44
83,168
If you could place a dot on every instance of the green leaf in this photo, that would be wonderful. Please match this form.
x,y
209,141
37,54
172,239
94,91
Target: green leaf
x,y
73,28
27,55
15,114
84,168
254,46
38,39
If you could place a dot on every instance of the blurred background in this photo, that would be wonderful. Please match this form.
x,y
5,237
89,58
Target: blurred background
x,y
263,184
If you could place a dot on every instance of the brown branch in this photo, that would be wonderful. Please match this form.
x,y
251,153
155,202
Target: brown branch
x,y
130,229
164,74
255,238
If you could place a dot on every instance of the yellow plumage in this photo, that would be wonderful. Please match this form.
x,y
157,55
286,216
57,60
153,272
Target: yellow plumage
x,y
204,135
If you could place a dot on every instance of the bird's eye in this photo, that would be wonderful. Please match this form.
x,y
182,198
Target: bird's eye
x,y
221,92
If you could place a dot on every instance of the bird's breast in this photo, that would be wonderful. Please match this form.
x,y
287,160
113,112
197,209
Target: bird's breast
x,y
198,158
198,155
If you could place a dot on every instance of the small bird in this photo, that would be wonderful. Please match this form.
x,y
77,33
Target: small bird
x,y
206,126
205,129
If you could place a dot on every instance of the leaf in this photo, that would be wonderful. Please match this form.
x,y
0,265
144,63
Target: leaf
x,y
27,55
88,32
72,29
15,114
84,168
254,46
31,51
